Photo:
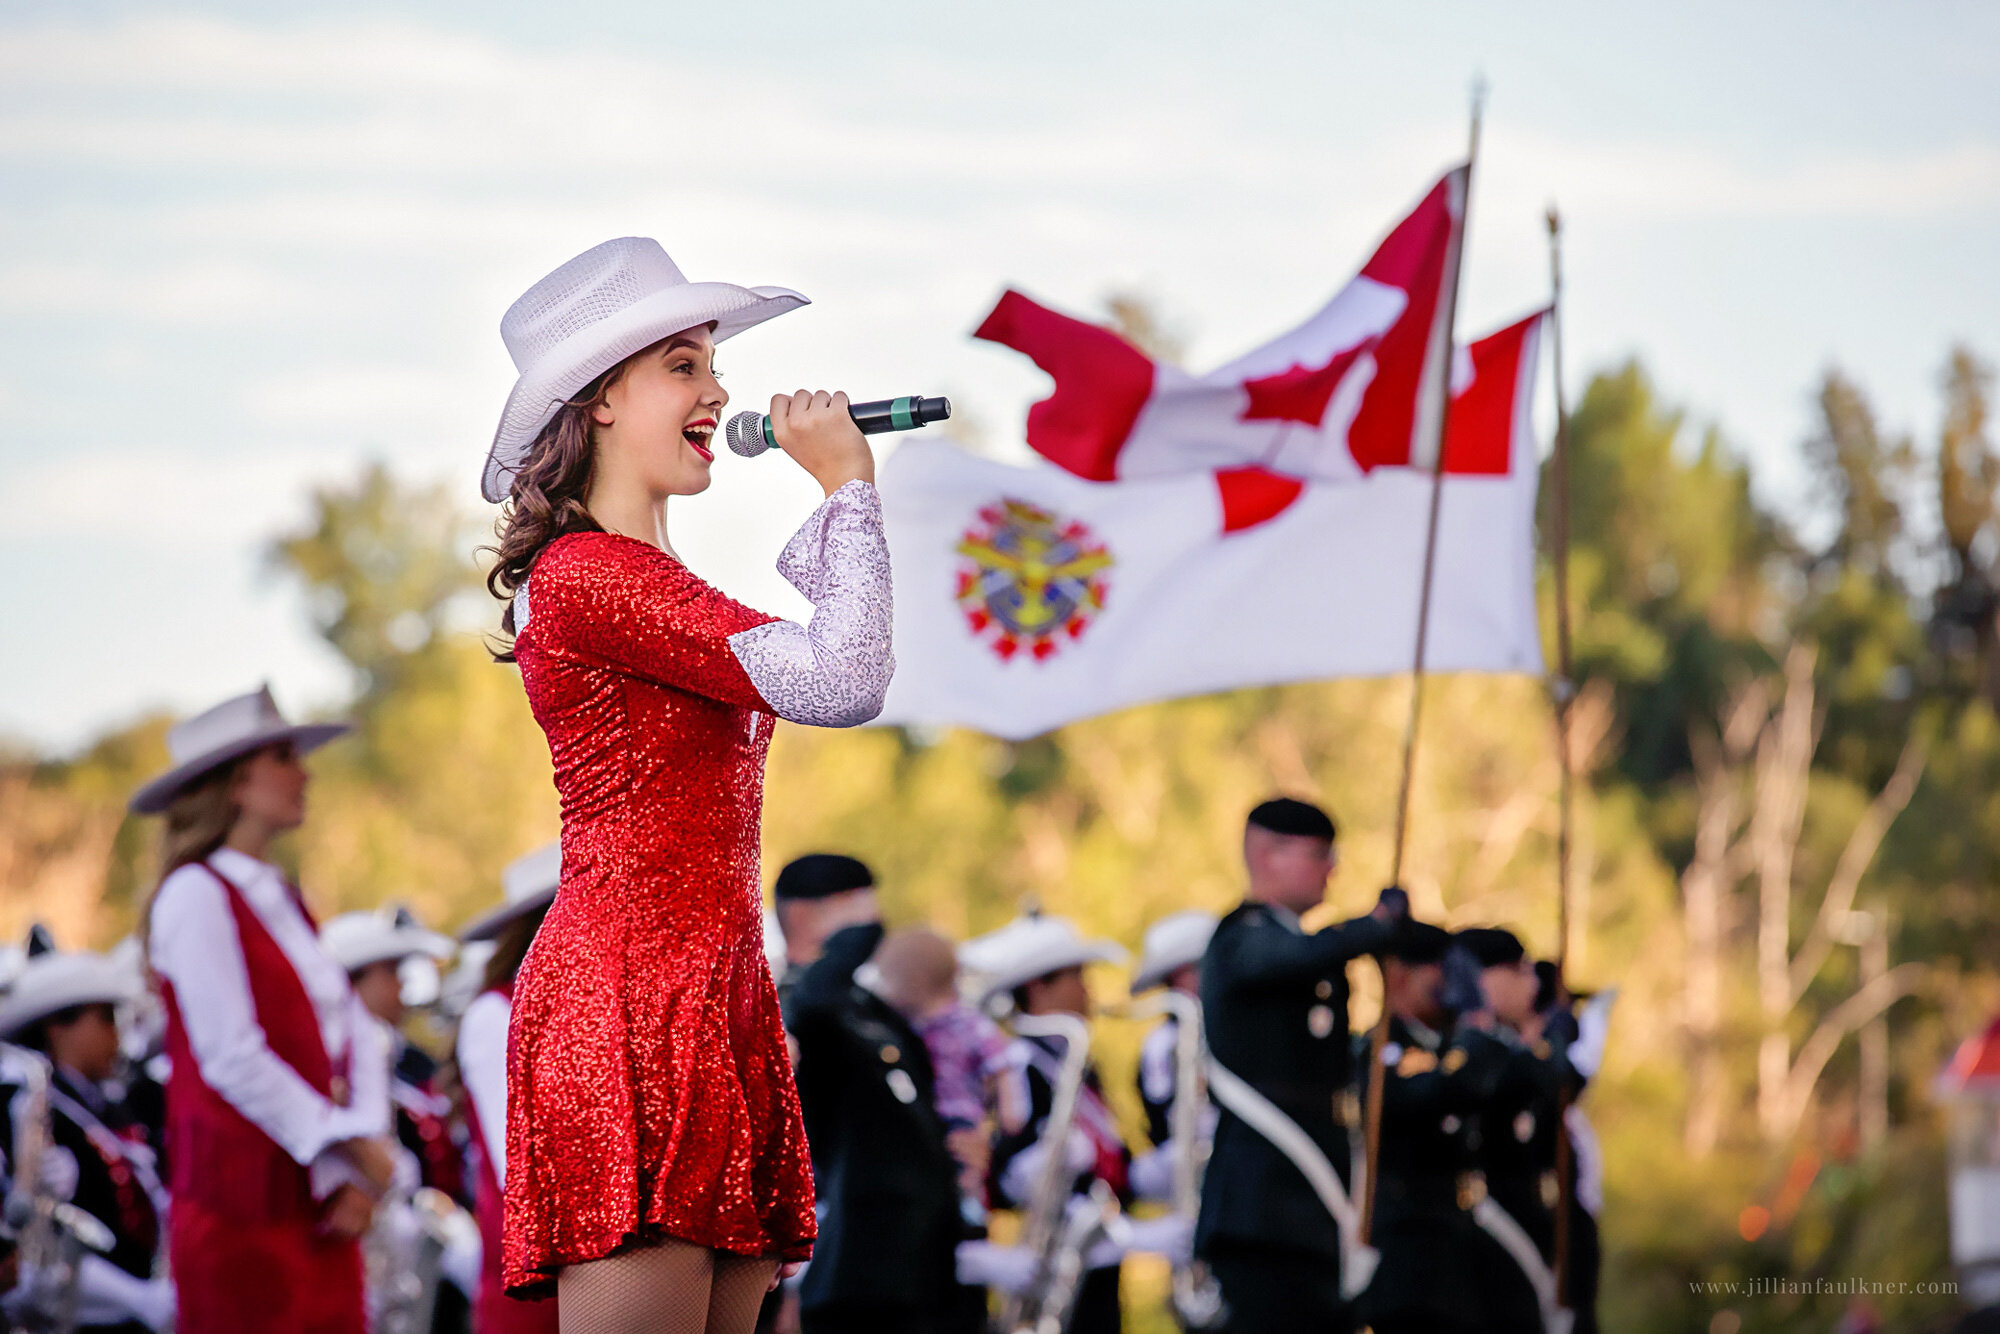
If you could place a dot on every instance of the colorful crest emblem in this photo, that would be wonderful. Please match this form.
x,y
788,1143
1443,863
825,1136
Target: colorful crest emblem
x,y
1031,580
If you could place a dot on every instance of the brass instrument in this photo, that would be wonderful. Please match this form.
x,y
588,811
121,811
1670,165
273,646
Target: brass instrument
x,y
403,1257
1057,1236
51,1234
1197,1297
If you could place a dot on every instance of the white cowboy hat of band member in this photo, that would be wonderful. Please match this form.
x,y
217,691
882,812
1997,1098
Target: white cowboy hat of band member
x,y
53,980
528,882
1172,943
229,731
1027,948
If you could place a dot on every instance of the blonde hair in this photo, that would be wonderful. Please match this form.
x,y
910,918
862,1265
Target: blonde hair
x,y
918,967
196,822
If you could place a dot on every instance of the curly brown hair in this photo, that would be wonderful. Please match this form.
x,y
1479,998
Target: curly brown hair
x,y
546,500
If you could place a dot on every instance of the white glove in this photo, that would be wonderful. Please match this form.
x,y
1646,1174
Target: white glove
x,y
58,1171
1153,1174
983,1264
1593,1026
1171,1235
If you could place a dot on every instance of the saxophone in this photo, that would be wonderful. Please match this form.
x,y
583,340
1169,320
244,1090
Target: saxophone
x,y
1197,1298
403,1259
1055,1235
50,1233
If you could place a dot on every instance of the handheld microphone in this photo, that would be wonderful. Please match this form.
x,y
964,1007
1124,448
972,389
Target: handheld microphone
x,y
749,433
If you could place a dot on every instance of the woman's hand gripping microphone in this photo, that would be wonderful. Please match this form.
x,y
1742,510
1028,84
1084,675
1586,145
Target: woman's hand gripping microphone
x,y
816,430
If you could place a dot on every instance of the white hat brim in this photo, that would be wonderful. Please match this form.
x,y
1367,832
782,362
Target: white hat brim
x,y
157,793
1155,972
29,1003
1016,972
573,363
490,924
395,946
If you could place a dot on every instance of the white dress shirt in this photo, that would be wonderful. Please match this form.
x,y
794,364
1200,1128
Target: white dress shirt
x,y
194,945
482,1068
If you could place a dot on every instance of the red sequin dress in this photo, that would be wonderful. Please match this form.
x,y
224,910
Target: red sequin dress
x,y
649,1093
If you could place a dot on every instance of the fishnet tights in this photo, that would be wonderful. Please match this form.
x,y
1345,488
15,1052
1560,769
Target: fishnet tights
x,y
667,1288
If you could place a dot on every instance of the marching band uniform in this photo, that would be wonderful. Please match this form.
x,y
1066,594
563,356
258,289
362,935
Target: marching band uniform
x,y
274,1061
529,883
888,1188
1173,943
1274,1004
1440,1272
650,1093
359,940
1007,959
95,1157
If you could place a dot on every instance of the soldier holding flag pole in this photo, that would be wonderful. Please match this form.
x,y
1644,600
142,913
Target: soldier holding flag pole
x,y
1275,1227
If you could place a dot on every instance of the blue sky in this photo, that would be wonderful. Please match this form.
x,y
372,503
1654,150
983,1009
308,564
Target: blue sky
x,y
245,247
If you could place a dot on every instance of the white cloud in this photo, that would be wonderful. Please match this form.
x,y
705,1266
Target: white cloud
x,y
210,290
179,501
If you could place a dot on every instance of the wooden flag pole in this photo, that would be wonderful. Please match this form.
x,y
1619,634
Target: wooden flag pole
x,y
1379,1036
1565,695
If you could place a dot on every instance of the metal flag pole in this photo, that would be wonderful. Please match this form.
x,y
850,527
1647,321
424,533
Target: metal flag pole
x,y
1379,1037
1565,694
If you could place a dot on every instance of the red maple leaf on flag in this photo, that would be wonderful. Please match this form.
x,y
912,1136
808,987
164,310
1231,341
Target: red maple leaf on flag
x,y
1301,393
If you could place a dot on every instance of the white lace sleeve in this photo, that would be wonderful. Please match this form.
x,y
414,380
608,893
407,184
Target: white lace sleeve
x,y
834,670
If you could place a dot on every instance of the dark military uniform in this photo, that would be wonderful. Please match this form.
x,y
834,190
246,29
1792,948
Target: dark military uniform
x,y
1274,1004
885,1258
1440,1272
1097,1309
115,1181
423,1120
1518,1146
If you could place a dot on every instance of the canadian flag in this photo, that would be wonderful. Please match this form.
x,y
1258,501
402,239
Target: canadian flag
x,y
1030,597
1352,389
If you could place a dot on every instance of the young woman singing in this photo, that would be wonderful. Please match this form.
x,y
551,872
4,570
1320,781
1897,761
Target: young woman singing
x,y
657,1173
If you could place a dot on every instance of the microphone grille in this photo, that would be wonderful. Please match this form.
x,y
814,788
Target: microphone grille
x,y
745,433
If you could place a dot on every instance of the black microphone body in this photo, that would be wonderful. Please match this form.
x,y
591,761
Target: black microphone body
x,y
750,434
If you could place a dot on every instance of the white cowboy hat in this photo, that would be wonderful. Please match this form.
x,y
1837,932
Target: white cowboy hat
x,y
228,731
1027,948
526,884
356,939
467,979
592,313
1176,940
57,979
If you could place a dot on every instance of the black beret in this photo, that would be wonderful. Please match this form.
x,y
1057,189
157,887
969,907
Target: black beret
x,y
1492,945
1285,815
1418,942
819,875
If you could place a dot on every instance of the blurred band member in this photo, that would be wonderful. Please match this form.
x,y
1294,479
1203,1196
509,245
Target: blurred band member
x,y
888,1193
1040,961
278,1105
372,947
658,1177
528,884
1440,1272
1170,956
1274,1004
64,1007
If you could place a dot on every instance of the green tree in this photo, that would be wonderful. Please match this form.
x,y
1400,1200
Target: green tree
x,y
1862,478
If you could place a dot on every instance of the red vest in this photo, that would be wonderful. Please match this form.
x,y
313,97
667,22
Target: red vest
x,y
494,1312
219,1159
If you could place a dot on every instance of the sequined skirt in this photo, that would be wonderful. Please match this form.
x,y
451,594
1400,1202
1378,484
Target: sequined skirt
x,y
649,1091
